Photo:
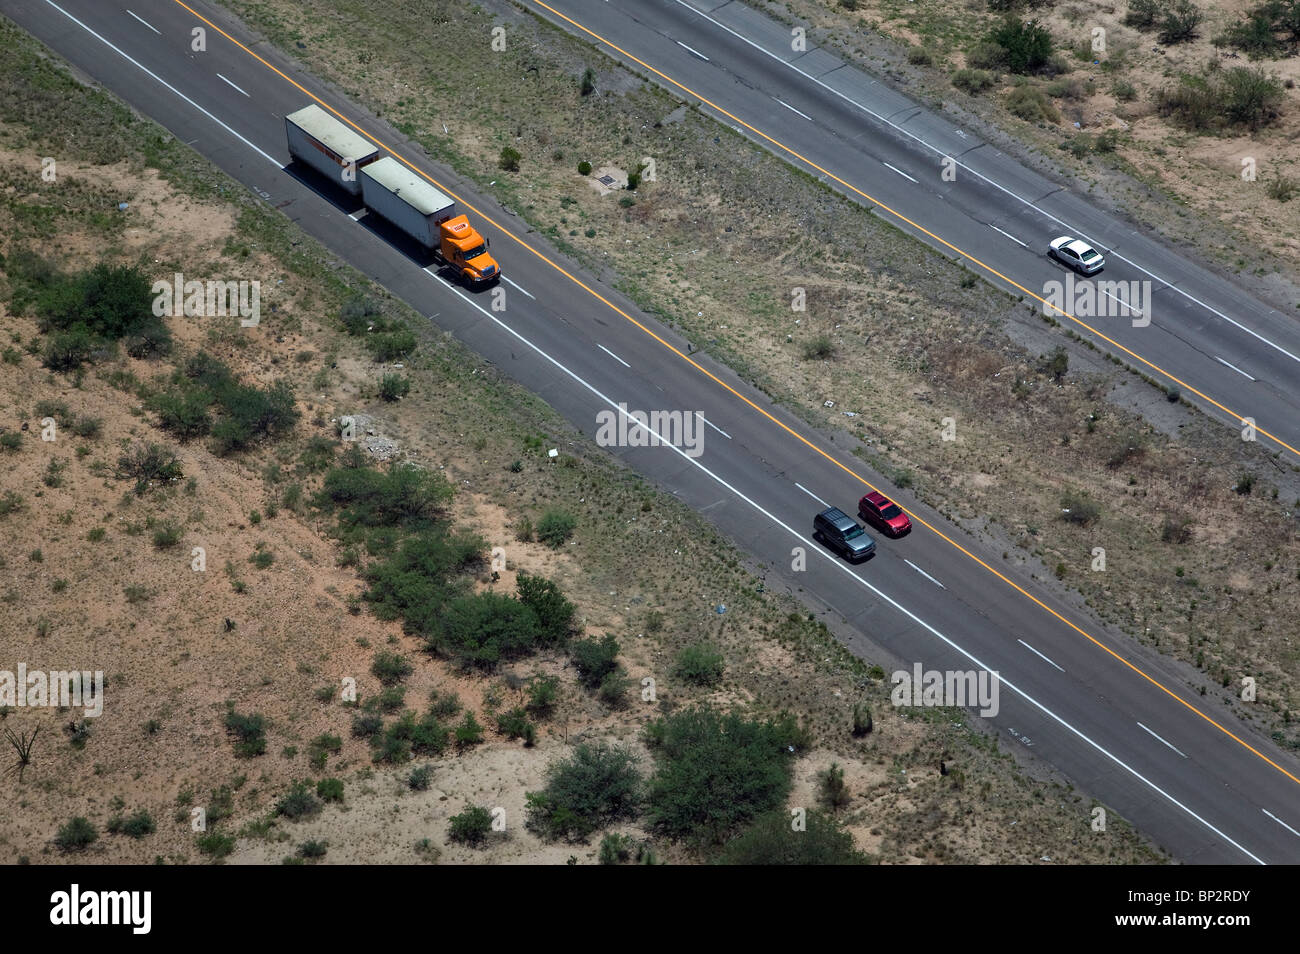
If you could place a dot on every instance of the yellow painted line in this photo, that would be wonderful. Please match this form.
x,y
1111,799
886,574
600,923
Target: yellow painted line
x,y
669,346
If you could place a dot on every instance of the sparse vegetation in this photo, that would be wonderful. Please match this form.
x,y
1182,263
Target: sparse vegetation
x,y
596,786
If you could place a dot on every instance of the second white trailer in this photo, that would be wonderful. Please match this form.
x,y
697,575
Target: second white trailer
x,y
406,200
321,142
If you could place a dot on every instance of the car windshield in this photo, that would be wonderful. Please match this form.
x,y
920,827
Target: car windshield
x,y
890,512
853,533
473,253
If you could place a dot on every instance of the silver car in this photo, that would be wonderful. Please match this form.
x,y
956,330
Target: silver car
x,y
1076,254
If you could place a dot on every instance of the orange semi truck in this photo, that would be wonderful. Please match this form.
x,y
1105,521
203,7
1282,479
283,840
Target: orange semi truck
x,y
391,190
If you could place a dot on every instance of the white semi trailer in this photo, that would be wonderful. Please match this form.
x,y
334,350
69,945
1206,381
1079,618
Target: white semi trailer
x,y
406,200
423,212
321,142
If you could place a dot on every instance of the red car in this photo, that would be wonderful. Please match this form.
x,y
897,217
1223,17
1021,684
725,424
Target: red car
x,y
883,514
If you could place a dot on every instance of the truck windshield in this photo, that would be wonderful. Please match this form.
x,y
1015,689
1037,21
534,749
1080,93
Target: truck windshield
x,y
853,533
475,252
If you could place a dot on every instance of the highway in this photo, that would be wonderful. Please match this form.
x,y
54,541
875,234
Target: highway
x,y
1118,720
1232,355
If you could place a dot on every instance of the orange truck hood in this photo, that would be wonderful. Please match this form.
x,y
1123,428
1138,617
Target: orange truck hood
x,y
459,234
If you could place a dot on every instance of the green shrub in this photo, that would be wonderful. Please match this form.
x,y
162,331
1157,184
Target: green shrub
x,y
862,721
701,665
1055,365
183,413
613,688
298,803
168,535
468,732
1079,509
483,629
594,659
715,773
515,725
77,835
1258,34
986,55
1143,14
390,668
215,844
87,427
313,849
615,849
554,612
509,159
832,790
402,496
584,168
69,350
770,840
1031,104
389,346
820,348
394,387
1233,99
972,81
587,85
330,790
430,736
596,786
148,465
367,726
470,827
555,527
542,694
1179,20
420,778
136,826
249,732
359,313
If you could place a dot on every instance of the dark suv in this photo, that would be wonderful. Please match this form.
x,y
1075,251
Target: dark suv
x,y
841,533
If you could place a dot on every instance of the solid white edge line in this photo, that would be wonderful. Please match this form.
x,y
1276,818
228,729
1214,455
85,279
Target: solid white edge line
x,y
1037,653
1158,739
150,73
979,175
772,517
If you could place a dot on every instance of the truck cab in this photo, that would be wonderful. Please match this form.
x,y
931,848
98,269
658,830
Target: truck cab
x,y
467,251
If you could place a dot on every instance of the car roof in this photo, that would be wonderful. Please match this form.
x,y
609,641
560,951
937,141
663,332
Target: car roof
x,y
877,498
1080,247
